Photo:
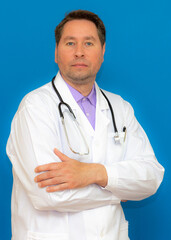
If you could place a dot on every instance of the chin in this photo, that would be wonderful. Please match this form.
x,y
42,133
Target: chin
x,y
80,77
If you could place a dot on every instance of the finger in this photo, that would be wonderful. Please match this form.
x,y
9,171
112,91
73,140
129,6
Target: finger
x,y
46,167
45,176
61,156
60,187
50,182
124,200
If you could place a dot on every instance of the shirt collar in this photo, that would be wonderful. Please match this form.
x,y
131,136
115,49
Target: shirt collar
x,y
78,96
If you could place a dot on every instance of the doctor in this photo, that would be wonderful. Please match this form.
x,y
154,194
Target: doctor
x,y
69,179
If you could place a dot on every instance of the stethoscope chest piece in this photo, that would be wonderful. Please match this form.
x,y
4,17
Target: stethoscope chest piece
x,y
121,136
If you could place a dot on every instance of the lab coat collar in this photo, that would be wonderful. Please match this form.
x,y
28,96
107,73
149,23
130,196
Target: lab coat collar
x,y
101,101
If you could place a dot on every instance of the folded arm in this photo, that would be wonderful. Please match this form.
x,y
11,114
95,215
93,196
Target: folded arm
x,y
139,174
31,144
69,174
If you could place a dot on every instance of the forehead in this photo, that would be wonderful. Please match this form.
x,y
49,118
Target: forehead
x,y
79,28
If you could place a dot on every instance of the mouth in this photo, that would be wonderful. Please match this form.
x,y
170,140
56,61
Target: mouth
x,y
79,65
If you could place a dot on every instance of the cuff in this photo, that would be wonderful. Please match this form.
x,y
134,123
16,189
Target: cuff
x,y
112,179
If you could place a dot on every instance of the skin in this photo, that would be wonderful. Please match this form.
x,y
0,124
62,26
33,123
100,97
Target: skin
x,y
69,174
79,56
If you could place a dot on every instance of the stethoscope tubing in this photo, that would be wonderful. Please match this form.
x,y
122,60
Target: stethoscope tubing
x,y
67,105
61,101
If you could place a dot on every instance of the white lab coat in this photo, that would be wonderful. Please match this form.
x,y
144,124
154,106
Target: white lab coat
x,y
90,213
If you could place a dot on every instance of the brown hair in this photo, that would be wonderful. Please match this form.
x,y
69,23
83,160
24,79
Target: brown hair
x,y
82,14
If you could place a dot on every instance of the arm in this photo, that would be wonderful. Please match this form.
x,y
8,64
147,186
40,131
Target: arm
x,y
138,175
69,174
31,143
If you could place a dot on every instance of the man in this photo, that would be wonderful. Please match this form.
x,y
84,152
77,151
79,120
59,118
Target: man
x,y
57,192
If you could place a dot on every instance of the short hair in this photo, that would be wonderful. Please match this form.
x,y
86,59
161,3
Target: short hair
x,y
85,15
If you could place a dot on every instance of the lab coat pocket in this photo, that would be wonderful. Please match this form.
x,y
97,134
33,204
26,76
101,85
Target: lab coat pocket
x,y
115,151
123,235
46,236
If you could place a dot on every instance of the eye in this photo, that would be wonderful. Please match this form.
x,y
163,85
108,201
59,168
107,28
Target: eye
x,y
89,44
70,43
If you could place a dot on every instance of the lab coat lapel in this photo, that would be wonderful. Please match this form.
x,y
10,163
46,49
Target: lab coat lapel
x,y
101,130
102,119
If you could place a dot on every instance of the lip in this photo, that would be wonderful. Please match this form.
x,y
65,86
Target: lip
x,y
79,65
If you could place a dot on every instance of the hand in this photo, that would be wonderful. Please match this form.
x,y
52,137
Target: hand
x,y
69,174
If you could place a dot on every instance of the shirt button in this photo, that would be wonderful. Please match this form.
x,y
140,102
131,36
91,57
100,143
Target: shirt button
x,y
87,114
84,99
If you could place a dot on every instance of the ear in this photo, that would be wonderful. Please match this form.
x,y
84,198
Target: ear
x,y
103,49
56,53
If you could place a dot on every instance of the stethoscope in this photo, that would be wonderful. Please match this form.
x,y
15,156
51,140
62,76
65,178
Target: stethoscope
x,y
118,137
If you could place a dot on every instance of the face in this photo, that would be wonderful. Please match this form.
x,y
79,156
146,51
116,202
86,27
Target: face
x,y
79,53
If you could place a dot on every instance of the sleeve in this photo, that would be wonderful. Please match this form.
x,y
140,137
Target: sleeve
x,y
32,140
138,175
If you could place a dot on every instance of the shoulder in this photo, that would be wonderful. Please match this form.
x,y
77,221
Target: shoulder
x,y
113,97
117,101
40,97
122,109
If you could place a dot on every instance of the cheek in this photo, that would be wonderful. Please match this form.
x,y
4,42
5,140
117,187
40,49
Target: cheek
x,y
97,60
64,55
62,59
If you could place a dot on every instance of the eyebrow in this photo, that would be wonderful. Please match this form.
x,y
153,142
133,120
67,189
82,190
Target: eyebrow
x,y
74,38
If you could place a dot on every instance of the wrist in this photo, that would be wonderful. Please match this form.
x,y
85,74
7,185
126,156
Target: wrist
x,y
100,175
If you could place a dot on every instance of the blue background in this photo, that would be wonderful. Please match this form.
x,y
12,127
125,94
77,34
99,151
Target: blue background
x,y
137,66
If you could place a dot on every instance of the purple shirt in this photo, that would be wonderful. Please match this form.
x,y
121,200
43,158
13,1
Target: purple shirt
x,y
87,104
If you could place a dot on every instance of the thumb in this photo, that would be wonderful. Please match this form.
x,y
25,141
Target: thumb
x,y
61,156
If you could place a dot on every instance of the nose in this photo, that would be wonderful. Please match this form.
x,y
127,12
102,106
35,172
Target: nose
x,y
79,51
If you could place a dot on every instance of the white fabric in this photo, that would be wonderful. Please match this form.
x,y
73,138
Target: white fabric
x,y
133,171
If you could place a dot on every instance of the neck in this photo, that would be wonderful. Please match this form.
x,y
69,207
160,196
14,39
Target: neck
x,y
83,88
